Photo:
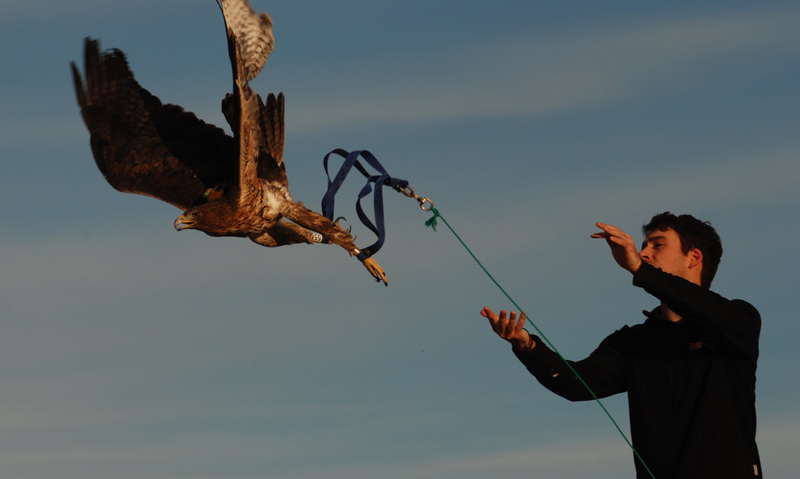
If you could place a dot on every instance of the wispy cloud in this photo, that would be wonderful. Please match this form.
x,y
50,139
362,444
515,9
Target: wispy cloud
x,y
530,75
550,460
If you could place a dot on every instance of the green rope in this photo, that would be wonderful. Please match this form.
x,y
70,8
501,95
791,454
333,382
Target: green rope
x,y
432,223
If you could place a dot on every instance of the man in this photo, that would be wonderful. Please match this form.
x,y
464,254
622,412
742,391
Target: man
x,y
688,370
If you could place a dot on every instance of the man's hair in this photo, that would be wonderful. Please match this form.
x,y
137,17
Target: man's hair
x,y
693,233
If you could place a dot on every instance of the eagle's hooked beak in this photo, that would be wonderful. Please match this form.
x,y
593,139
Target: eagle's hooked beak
x,y
184,221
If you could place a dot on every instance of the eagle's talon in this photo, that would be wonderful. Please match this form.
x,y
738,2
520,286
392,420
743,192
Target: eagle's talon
x,y
375,270
349,227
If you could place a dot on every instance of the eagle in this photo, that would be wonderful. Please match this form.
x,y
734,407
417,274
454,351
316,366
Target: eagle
x,y
225,185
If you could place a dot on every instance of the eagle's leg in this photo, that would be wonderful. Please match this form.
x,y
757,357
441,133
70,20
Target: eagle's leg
x,y
335,234
314,221
285,233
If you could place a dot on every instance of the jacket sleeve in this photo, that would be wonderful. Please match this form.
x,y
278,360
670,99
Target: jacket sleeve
x,y
599,375
735,322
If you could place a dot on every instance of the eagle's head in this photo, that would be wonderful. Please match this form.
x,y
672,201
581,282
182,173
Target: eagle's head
x,y
212,218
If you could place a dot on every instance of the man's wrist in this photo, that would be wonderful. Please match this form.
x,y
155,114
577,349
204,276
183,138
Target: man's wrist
x,y
525,346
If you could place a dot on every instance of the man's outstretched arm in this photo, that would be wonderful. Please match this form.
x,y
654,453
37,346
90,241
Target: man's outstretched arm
x,y
510,328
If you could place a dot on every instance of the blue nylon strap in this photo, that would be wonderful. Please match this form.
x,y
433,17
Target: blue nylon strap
x,y
379,180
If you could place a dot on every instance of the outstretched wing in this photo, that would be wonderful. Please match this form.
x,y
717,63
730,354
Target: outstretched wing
x,y
143,146
253,34
258,126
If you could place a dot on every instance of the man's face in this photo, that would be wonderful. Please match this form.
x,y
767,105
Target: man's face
x,y
662,249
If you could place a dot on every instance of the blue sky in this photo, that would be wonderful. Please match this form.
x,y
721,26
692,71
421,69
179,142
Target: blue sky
x,y
128,350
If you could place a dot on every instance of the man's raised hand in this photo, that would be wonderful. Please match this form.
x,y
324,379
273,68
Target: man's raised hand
x,y
624,250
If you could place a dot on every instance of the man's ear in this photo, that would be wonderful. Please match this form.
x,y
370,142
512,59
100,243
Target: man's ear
x,y
695,258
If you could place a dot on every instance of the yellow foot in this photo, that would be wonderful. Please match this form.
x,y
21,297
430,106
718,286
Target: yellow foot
x,y
375,270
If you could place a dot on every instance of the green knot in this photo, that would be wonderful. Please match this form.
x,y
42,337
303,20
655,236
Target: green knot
x,y
432,221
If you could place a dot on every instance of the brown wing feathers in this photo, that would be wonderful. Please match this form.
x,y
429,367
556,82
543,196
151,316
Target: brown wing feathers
x,y
141,145
270,160
250,38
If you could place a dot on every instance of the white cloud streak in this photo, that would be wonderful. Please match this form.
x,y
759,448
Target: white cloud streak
x,y
542,76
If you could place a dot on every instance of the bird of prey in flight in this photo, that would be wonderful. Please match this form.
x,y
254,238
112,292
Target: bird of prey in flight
x,y
225,185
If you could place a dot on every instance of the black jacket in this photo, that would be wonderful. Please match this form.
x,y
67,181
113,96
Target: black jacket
x,y
690,384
